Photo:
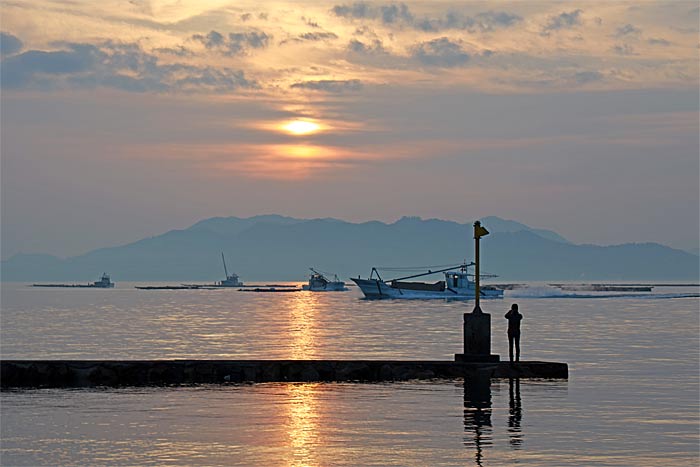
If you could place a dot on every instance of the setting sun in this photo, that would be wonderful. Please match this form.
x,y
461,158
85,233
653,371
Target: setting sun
x,y
301,127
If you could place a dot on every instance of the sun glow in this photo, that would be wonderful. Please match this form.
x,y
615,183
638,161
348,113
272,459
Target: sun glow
x,y
301,127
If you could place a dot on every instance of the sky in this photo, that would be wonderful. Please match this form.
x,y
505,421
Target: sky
x,y
125,119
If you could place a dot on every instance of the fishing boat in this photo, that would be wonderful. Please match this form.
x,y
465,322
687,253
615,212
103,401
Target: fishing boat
x,y
232,280
458,284
104,283
319,283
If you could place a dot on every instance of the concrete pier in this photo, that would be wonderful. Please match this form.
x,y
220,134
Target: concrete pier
x,y
90,373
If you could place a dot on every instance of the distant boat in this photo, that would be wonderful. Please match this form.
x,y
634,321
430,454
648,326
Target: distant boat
x,y
319,283
103,283
231,280
457,284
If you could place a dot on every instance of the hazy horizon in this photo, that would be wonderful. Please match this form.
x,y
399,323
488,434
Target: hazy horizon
x,y
388,222
125,120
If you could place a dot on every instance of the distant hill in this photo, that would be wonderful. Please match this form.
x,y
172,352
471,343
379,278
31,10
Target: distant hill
x,y
496,224
274,247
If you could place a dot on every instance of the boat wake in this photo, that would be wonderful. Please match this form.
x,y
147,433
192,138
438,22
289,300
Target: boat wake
x,y
448,298
553,292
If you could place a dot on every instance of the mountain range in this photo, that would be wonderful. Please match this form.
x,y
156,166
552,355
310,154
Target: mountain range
x,y
273,247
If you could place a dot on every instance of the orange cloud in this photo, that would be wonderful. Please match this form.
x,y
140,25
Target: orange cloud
x,y
265,161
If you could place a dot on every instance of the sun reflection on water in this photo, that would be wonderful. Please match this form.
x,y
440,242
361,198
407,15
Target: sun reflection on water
x,y
302,326
303,424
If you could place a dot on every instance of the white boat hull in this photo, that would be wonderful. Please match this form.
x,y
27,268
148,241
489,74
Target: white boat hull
x,y
329,287
375,288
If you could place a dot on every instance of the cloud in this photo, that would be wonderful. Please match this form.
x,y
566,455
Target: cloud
x,y
658,41
110,64
235,43
395,12
626,30
9,44
375,47
212,40
241,41
440,52
486,21
19,70
327,85
557,79
366,31
565,20
356,10
371,55
317,36
178,51
624,49
584,77
310,22
209,79
499,18
388,14
399,13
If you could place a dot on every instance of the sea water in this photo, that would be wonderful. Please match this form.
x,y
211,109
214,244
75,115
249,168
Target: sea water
x,y
632,398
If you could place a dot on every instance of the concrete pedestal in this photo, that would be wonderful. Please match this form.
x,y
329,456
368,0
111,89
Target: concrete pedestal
x,y
477,339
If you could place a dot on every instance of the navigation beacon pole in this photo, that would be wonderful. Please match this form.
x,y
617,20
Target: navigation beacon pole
x,y
477,324
479,232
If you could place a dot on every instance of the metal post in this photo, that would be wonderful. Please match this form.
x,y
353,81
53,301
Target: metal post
x,y
477,291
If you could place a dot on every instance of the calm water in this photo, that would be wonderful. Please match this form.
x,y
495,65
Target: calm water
x,y
632,398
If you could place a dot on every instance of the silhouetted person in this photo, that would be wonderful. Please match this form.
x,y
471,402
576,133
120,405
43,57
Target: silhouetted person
x,y
514,319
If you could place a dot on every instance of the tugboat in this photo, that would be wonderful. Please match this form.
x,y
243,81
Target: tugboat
x,y
103,283
319,283
457,285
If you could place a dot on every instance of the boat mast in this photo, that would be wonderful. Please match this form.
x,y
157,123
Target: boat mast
x,y
429,273
224,260
316,272
321,276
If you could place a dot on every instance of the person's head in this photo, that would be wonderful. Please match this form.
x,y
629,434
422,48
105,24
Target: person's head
x,y
514,307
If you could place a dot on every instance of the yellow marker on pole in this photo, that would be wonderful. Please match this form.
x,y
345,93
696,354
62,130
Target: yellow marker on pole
x,y
479,231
